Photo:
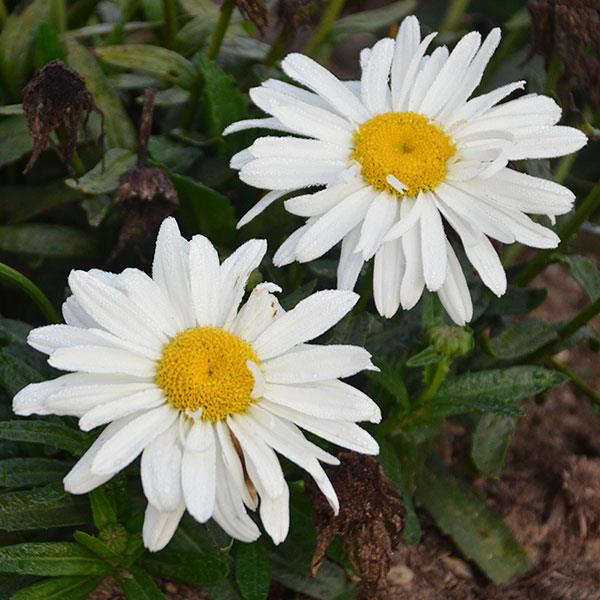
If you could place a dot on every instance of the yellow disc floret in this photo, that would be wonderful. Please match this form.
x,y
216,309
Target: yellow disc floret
x,y
406,145
205,368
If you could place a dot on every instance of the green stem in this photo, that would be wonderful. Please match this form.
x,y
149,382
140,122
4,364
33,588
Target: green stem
x,y
170,12
564,167
220,29
3,14
277,50
191,107
541,261
553,74
33,291
576,380
441,371
577,322
454,15
328,19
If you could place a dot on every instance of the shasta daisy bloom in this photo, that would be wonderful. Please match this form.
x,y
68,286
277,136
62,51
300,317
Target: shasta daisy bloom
x,y
207,391
402,157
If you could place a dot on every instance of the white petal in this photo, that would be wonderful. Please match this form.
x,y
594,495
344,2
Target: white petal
x,y
123,447
318,203
433,244
161,470
374,82
317,363
548,143
268,123
300,148
159,527
261,309
310,318
114,311
80,479
74,314
96,359
388,271
198,471
261,206
454,294
109,411
378,221
409,217
330,228
268,475
286,253
311,121
351,262
234,274
413,282
170,270
32,398
295,92
204,279
407,44
329,400
425,78
315,77
486,262
341,433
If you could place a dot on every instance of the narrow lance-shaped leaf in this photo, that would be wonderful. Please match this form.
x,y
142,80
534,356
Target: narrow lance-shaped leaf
x,y
253,571
522,339
50,433
490,442
77,587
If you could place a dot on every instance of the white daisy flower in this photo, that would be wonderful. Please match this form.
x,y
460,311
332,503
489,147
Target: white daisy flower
x,y
205,390
403,155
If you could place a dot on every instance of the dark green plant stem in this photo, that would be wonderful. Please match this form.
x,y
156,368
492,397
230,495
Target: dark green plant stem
x,y
3,13
170,12
576,380
553,74
33,291
454,15
220,29
544,258
277,49
328,19
441,371
191,108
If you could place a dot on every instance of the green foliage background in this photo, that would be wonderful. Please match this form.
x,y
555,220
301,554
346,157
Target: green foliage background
x,y
53,545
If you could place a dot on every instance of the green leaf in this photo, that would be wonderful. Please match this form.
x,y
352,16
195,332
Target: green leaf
x,y
22,202
253,571
429,356
191,567
516,301
104,509
585,273
15,374
97,546
15,141
42,508
118,129
522,339
50,559
60,588
212,212
13,331
48,46
53,241
490,442
138,585
475,528
50,433
372,21
17,43
497,391
159,62
223,101
25,472
104,177
391,381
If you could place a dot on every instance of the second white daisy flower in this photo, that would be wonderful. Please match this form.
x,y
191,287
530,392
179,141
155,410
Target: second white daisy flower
x,y
205,390
401,155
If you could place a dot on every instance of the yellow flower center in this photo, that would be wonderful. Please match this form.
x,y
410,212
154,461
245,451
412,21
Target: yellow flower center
x,y
406,145
205,368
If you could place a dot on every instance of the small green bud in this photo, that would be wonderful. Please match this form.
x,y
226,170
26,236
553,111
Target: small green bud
x,y
115,536
451,342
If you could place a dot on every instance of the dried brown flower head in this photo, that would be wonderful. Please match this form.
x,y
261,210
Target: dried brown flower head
x,y
295,14
57,100
370,520
255,11
146,195
572,29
